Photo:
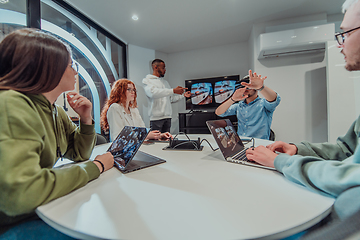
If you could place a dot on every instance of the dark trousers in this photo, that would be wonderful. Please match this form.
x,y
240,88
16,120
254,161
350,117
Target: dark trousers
x,y
33,230
163,125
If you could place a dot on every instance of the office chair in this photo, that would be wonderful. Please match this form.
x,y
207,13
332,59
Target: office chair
x,y
347,229
100,139
272,135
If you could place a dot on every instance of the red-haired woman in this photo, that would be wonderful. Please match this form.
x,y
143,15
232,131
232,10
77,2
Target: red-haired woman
x,y
121,110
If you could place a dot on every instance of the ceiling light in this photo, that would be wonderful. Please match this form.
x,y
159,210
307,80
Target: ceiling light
x,y
4,1
134,17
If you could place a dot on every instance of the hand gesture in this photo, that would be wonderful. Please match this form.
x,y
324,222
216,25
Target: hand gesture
x,y
81,106
239,94
256,81
154,135
179,90
106,159
282,147
166,136
187,94
261,155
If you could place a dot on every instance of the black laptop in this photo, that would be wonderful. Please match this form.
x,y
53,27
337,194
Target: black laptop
x,y
125,148
230,143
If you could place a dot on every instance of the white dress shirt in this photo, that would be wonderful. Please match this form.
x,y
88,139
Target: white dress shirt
x,y
118,118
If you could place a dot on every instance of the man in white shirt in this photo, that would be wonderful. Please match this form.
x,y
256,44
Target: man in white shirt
x,y
161,95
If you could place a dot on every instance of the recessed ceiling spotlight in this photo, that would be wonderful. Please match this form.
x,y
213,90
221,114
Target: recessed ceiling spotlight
x,y
134,17
4,1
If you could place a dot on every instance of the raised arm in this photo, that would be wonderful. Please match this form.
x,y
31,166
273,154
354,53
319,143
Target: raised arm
x,y
237,96
28,153
257,83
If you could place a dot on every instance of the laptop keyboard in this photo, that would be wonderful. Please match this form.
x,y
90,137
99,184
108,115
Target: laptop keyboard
x,y
241,156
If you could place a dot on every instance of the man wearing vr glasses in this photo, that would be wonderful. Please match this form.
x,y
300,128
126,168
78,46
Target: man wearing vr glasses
x,y
254,114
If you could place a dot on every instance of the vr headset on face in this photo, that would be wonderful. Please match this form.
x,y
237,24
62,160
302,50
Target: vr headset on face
x,y
244,79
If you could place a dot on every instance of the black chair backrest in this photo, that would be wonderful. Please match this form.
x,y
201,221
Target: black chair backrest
x,y
100,139
272,135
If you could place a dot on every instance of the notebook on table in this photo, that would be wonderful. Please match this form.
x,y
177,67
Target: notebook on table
x,y
229,142
125,148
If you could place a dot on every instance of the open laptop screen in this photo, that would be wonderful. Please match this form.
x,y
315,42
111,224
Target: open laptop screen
x,y
126,144
226,137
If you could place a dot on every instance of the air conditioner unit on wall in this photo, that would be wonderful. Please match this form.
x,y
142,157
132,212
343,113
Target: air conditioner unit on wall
x,y
295,41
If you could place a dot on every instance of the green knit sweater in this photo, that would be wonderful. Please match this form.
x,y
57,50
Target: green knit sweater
x,y
31,129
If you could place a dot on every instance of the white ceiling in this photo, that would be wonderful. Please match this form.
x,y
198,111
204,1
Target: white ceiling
x,y
180,25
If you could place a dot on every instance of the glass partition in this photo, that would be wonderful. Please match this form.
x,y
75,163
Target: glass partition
x,y
100,58
12,16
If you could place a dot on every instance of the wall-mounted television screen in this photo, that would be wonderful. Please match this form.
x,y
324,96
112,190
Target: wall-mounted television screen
x,y
209,93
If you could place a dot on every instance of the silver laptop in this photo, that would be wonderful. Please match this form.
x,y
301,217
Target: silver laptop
x,y
230,143
125,148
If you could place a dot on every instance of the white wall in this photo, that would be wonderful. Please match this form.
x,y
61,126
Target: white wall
x,y
201,63
301,82
300,79
343,93
208,62
139,61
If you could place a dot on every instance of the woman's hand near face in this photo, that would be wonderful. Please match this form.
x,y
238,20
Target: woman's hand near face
x,y
81,106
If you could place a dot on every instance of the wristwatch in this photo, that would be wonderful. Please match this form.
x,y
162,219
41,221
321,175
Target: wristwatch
x,y
260,89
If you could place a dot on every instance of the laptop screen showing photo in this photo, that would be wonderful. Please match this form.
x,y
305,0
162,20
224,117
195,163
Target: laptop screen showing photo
x,y
126,144
226,137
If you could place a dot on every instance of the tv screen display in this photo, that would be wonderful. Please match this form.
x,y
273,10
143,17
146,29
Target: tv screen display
x,y
209,93
223,90
201,93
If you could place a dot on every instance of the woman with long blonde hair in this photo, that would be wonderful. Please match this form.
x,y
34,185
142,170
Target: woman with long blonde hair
x,y
121,110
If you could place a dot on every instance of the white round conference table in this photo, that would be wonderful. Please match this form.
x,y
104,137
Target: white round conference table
x,y
194,195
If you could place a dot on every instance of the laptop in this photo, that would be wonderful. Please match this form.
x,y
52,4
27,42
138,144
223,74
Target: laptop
x,y
125,148
229,142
